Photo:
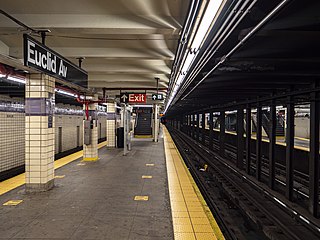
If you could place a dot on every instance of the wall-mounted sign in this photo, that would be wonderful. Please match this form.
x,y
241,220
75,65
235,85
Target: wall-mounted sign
x,y
133,98
50,104
42,58
157,96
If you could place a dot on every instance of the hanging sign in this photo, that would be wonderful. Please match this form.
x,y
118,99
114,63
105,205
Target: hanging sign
x,y
44,59
133,98
157,96
137,98
124,98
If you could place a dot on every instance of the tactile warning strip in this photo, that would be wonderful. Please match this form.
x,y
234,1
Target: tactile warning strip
x,y
192,218
19,180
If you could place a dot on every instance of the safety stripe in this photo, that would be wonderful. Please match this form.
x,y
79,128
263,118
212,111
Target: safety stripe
x,y
192,218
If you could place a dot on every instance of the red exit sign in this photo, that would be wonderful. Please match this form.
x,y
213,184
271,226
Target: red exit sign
x,y
137,98
133,98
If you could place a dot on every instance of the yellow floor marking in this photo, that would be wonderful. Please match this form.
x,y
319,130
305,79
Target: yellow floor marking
x,y
12,203
146,177
192,218
181,221
206,236
196,221
59,176
184,236
19,180
150,164
183,228
141,198
202,228
94,159
180,214
143,136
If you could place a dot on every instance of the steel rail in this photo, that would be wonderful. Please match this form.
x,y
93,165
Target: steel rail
x,y
308,223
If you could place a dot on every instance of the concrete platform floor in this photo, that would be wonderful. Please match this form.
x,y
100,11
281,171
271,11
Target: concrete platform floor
x,y
96,200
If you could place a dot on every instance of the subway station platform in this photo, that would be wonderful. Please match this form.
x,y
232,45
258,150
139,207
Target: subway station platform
x,y
148,194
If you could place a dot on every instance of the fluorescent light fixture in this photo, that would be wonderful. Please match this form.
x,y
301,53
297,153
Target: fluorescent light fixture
x,y
206,22
16,79
146,105
187,63
87,97
65,93
180,79
200,35
2,75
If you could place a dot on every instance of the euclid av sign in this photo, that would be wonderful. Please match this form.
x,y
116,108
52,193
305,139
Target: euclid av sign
x,y
40,57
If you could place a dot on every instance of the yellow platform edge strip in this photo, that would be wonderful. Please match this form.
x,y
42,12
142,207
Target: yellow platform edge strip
x,y
90,159
143,136
207,211
19,180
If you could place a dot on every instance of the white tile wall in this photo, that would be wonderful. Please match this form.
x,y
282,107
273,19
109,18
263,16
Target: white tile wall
x,y
12,136
12,141
69,125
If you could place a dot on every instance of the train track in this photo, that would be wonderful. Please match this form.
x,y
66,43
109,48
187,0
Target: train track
x,y
300,178
257,204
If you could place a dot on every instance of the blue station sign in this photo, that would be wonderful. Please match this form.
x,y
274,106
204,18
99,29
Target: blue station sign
x,y
44,59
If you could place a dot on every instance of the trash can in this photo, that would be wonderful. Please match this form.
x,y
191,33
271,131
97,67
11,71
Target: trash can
x,y
120,137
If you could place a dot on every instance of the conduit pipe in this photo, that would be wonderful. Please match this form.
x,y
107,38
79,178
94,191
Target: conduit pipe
x,y
240,13
236,11
241,43
193,9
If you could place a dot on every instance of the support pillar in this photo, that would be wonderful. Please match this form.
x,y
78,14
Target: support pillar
x,y
211,130
222,133
125,130
272,144
289,148
248,139
314,155
90,150
194,129
258,142
156,123
187,125
192,125
111,125
240,138
203,129
198,128
39,132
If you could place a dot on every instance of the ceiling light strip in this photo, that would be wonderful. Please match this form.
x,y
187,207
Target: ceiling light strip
x,y
243,41
197,41
185,32
205,58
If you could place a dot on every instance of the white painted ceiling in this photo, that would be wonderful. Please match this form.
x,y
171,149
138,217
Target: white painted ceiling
x,y
125,43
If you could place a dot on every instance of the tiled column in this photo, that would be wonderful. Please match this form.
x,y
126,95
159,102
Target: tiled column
x,y
111,125
90,152
39,133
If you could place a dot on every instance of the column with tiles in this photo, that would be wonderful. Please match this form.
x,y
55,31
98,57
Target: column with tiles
x,y
39,132
111,125
90,151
